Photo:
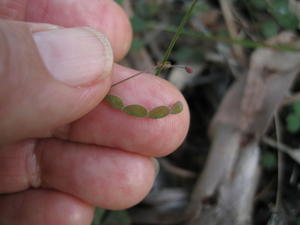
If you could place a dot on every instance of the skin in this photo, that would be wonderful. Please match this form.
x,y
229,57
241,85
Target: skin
x,y
56,168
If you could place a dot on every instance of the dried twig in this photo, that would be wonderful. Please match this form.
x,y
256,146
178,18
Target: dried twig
x,y
291,99
236,131
226,7
280,169
293,153
168,166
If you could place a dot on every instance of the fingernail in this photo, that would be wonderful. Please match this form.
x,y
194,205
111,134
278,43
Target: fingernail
x,y
156,166
75,56
39,27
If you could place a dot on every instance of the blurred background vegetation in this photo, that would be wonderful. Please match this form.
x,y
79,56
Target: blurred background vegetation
x,y
206,45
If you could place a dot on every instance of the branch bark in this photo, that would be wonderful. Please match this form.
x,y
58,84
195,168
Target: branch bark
x,y
225,190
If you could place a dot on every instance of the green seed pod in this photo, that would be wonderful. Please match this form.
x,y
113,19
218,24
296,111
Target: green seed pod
x,y
176,108
159,112
135,110
140,111
115,101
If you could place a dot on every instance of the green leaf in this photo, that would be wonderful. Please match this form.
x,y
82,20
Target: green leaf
x,y
119,1
135,110
115,101
259,4
117,218
293,123
268,160
98,216
269,29
281,12
138,24
176,108
296,108
147,9
137,44
159,112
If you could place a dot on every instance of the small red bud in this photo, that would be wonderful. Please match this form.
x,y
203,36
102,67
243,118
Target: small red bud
x,y
188,69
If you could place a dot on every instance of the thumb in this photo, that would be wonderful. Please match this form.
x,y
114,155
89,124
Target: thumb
x,y
49,78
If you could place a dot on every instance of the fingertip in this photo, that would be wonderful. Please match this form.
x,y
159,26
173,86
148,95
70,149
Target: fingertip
x,y
146,136
106,16
31,91
104,177
121,43
37,206
75,56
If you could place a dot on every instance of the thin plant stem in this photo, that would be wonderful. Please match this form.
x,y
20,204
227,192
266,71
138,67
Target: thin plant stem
x,y
281,147
280,169
176,36
243,42
132,76
166,66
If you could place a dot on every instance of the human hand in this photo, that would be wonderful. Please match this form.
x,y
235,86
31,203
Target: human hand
x,y
62,149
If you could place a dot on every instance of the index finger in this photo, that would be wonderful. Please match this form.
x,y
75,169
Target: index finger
x,y
104,15
106,126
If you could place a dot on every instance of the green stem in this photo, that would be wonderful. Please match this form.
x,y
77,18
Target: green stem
x,y
243,42
176,36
